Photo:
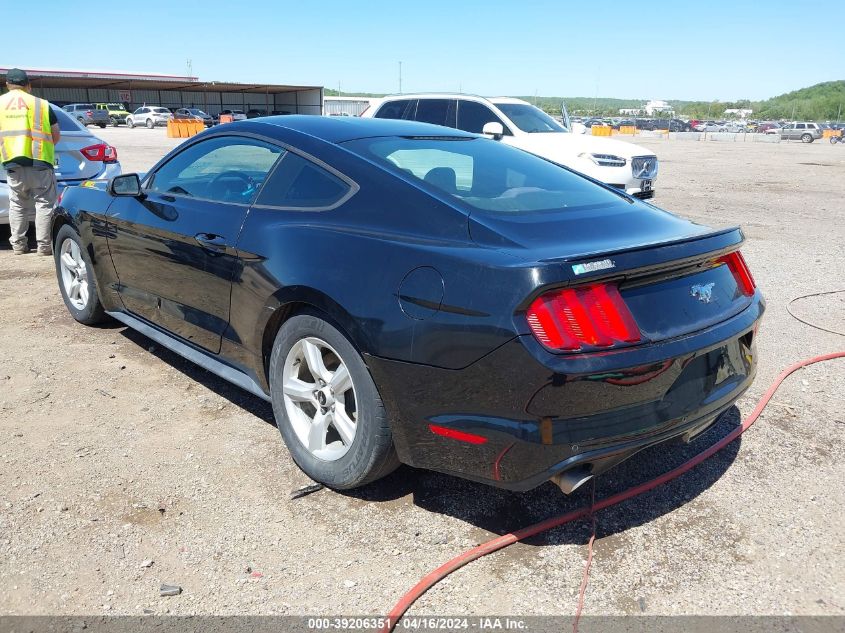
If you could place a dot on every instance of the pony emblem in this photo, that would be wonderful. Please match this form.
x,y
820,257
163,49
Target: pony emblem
x,y
703,292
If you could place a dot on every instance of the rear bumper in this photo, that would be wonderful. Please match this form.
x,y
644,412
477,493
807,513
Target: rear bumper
x,y
542,414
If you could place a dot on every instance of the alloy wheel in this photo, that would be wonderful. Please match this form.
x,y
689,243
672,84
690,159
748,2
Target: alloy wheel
x,y
320,399
74,274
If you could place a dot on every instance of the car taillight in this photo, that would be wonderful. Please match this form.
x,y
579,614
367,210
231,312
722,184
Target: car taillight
x,y
100,152
739,269
573,319
89,113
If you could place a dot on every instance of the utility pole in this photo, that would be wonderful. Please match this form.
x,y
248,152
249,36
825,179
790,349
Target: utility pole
x,y
190,66
400,78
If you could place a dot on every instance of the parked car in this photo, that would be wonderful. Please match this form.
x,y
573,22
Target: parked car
x,y
116,112
712,127
149,116
237,115
195,114
80,156
87,114
806,132
515,122
672,125
476,310
770,128
255,113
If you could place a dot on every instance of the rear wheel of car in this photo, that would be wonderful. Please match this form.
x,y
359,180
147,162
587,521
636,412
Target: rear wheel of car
x,y
76,278
327,407
150,124
101,125
130,122
806,138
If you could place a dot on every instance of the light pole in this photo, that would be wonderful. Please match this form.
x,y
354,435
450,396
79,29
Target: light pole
x,y
400,78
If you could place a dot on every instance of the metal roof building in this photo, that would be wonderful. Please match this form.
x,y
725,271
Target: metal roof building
x,y
171,91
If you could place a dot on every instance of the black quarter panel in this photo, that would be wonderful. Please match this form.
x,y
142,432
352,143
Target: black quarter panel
x,y
351,262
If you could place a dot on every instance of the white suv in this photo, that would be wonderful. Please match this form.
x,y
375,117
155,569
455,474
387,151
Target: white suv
x,y
518,123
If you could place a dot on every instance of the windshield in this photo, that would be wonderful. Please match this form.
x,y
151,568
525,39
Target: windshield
x,y
161,110
485,174
115,106
197,112
529,118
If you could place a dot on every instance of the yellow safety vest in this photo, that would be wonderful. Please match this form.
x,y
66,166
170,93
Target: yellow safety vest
x,y
25,127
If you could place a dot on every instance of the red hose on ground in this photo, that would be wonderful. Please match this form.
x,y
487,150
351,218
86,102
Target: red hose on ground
x,y
503,541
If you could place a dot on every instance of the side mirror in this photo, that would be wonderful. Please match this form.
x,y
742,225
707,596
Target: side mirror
x,y
125,185
493,129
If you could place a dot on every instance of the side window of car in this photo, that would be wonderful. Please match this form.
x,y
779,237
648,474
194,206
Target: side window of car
x,y
800,126
224,169
472,116
393,109
298,183
436,111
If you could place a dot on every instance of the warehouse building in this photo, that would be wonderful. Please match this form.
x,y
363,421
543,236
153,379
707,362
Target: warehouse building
x,y
135,90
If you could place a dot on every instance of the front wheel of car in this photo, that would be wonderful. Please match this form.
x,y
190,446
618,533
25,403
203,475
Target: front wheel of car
x,y
150,124
113,121
806,138
130,123
76,278
327,407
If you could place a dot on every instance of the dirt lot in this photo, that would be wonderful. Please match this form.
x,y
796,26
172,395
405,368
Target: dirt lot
x,y
123,467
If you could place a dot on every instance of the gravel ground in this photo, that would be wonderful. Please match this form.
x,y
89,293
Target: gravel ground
x,y
123,467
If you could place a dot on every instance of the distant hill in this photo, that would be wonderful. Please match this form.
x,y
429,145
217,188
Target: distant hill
x,y
822,102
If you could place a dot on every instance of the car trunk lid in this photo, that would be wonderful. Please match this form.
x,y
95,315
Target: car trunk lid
x,y
71,163
669,272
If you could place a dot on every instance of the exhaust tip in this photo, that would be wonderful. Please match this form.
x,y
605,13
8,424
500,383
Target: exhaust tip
x,y
570,480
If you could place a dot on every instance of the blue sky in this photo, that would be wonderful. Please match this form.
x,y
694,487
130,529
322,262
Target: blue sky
x,y
728,51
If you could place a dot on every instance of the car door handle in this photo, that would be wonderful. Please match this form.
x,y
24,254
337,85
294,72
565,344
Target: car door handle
x,y
211,242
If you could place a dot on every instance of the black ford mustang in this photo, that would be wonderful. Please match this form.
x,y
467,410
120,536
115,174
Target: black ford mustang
x,y
408,293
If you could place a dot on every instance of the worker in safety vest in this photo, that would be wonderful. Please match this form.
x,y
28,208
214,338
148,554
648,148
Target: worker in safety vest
x,y
29,132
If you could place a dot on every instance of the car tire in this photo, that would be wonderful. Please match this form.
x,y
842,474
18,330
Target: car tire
x,y
150,124
113,121
102,126
130,122
82,122
806,138
347,443
75,274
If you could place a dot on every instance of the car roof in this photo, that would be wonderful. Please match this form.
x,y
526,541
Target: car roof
x,y
453,95
340,129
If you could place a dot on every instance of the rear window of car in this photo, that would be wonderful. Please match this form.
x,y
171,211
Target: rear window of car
x,y
393,109
485,174
66,123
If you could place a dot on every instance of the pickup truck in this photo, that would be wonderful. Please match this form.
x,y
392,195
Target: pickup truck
x,y
87,114
116,112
